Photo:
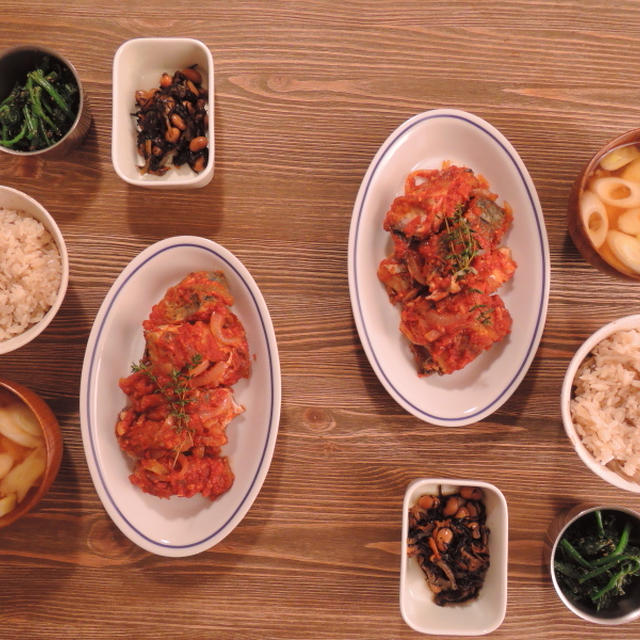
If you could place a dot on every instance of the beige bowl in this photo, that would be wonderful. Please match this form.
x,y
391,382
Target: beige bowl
x,y
14,199
53,447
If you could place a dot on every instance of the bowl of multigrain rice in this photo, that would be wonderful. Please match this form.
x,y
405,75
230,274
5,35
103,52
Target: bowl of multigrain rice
x,y
600,402
34,269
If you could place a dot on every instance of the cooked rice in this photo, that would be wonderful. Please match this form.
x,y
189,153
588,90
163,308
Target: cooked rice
x,y
30,272
606,404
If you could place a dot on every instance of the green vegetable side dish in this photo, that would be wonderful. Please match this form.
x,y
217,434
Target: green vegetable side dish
x,y
597,560
40,110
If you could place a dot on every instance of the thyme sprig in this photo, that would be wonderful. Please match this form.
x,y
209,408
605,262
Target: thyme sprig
x,y
460,242
485,315
175,391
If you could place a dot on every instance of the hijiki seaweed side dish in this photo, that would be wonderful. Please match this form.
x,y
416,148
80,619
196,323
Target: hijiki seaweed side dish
x,y
449,538
172,122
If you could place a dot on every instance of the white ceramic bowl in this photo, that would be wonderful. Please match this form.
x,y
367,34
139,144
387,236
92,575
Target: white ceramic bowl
x,y
485,613
13,199
138,64
628,322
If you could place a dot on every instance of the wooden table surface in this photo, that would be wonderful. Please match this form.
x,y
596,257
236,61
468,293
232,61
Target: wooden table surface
x,y
306,92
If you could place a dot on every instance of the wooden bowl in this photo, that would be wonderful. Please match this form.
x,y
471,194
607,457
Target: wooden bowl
x,y
574,221
53,447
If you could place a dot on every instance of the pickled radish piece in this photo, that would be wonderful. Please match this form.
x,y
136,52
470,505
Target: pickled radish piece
x,y
629,221
626,248
594,218
619,157
617,192
632,171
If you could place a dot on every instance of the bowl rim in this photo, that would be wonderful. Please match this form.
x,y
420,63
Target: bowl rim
x,y
610,476
81,95
572,516
53,441
190,181
32,332
629,137
502,565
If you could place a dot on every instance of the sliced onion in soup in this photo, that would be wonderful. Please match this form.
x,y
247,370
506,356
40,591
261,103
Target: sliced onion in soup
x,y
626,248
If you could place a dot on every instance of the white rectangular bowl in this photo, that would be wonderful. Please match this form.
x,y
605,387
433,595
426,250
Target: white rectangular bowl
x,y
477,617
139,64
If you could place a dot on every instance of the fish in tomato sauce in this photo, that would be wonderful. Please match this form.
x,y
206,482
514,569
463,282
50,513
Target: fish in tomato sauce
x,y
179,396
447,335
447,251
430,196
193,298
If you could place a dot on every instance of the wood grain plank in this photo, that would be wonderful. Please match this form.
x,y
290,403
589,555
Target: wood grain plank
x,y
305,95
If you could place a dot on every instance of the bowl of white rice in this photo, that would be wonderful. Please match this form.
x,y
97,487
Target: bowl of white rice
x,y
600,402
34,269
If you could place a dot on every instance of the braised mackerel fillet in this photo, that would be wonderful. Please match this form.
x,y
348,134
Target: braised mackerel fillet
x,y
446,266
179,396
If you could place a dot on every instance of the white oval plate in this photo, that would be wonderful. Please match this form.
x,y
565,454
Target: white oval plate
x,y
425,141
176,526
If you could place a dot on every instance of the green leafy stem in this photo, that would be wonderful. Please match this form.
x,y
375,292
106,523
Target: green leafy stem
x,y
175,391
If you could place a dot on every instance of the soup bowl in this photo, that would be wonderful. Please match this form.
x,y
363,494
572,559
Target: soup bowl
x,y
51,441
576,220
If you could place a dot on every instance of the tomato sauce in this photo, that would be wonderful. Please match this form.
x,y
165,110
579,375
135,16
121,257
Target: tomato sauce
x,y
180,397
446,265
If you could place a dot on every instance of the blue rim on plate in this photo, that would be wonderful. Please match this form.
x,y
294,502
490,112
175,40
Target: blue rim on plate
x,y
388,148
